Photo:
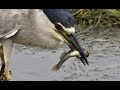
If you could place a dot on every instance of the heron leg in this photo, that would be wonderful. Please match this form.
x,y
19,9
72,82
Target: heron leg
x,y
5,52
3,63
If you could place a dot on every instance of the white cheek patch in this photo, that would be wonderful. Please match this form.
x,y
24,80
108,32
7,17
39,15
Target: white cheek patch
x,y
70,30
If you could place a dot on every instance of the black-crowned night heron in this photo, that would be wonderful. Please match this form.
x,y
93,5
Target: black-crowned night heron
x,y
46,28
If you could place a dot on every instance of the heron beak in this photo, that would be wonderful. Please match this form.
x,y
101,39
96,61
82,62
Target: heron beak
x,y
73,43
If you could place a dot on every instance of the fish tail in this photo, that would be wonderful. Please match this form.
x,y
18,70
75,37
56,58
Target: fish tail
x,y
56,68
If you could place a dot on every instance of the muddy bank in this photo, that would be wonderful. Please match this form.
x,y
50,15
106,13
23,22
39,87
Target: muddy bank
x,y
34,64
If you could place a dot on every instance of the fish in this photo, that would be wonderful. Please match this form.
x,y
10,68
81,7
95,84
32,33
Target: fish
x,y
66,55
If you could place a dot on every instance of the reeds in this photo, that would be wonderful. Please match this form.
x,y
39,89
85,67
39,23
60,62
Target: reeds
x,y
96,18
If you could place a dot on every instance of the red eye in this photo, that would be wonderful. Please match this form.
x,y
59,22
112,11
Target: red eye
x,y
57,26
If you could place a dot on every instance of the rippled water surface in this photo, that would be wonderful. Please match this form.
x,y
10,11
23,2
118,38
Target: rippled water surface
x,y
34,64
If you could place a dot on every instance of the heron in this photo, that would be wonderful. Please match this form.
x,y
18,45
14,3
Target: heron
x,y
45,28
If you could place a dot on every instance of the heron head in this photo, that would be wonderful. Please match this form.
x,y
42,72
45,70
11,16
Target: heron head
x,y
65,26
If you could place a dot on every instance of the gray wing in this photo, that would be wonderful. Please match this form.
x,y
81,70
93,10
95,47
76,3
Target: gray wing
x,y
9,22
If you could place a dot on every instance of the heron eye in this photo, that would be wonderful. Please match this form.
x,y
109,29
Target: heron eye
x,y
58,27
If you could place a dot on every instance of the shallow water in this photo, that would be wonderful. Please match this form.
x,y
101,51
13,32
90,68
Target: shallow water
x,y
34,64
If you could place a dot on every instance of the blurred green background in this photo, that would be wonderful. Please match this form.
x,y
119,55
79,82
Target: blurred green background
x,y
96,18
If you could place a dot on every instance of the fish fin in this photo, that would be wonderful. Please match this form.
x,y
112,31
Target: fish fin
x,y
55,68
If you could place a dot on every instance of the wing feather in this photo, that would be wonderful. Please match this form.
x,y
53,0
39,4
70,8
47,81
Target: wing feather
x,y
9,22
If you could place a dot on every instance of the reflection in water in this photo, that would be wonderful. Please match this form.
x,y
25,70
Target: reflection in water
x,y
28,63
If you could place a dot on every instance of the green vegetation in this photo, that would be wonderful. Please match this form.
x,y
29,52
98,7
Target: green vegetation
x,y
96,18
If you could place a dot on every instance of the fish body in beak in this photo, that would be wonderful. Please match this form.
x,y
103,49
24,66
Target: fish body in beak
x,y
66,55
70,39
74,45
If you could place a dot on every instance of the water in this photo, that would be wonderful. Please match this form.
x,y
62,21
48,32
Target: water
x,y
35,64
